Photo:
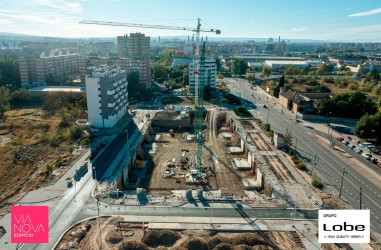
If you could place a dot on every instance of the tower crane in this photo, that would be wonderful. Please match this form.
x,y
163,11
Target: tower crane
x,y
199,73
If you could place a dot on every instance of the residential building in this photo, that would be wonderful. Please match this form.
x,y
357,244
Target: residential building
x,y
107,95
298,102
302,104
177,61
285,99
137,47
86,62
210,73
54,67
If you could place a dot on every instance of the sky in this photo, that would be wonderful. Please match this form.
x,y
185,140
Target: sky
x,y
338,20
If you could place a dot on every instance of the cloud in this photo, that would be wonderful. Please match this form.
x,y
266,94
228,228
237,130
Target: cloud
x,y
5,22
299,29
38,18
366,13
348,9
74,7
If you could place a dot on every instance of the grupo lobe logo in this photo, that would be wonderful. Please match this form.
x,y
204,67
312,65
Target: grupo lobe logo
x,y
30,224
344,226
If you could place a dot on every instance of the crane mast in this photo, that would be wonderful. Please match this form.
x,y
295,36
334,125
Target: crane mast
x,y
199,107
199,74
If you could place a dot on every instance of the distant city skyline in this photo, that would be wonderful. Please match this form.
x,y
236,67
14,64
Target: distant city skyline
x,y
340,20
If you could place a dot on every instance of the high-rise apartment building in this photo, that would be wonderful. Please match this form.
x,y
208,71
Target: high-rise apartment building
x,y
210,73
137,47
107,95
56,66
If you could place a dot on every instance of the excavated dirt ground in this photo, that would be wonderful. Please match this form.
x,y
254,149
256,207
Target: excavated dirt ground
x,y
220,177
86,236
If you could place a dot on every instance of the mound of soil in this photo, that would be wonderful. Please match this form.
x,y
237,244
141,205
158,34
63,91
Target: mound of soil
x,y
163,237
242,247
214,241
262,247
223,246
195,244
247,239
133,245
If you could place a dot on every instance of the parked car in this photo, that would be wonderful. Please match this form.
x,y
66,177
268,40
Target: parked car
x,y
359,151
345,142
356,141
366,156
378,165
340,139
373,160
351,146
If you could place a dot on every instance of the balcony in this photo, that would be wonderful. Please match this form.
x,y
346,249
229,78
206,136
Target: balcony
x,y
111,92
111,104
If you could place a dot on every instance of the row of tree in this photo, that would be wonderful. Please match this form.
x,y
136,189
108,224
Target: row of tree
x,y
9,72
369,126
353,104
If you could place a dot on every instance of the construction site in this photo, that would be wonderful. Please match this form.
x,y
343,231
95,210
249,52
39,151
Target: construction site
x,y
238,159
176,151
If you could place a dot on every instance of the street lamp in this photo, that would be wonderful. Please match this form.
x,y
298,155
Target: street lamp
x,y
330,119
99,226
211,214
342,179
313,166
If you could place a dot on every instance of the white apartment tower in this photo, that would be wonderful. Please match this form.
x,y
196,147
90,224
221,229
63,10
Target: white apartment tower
x,y
107,96
210,73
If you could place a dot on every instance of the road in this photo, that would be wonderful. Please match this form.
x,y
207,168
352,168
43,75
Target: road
x,y
63,211
328,165
231,209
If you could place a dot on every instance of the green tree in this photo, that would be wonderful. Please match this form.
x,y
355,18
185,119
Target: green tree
x,y
266,71
239,66
276,91
368,127
250,77
288,140
267,127
133,82
281,81
220,76
185,76
343,67
76,133
4,100
379,103
293,70
20,96
218,63
355,101
9,72
353,86
159,73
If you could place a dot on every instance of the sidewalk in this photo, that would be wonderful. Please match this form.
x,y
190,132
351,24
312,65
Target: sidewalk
x,y
55,190
39,197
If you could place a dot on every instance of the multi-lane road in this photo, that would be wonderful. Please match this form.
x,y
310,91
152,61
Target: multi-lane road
x,y
329,166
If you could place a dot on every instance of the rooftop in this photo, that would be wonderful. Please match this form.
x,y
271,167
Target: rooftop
x,y
57,89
